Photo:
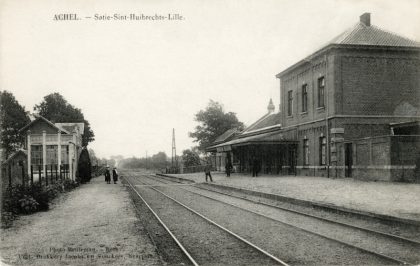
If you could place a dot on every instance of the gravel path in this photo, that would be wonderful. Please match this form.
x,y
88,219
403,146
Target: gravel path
x,y
388,198
93,225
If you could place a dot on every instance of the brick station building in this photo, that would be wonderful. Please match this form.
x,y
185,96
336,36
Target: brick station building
x,y
352,108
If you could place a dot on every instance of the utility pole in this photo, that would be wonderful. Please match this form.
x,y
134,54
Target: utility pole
x,y
146,159
174,161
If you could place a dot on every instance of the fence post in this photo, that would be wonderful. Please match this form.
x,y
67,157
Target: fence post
x,y
39,175
56,172
52,175
23,175
32,175
46,175
10,174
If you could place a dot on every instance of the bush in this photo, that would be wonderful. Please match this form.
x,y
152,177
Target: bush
x,y
18,199
11,198
70,184
40,194
28,204
7,219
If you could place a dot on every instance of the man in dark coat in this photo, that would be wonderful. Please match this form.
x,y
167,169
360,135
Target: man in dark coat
x,y
228,168
207,171
255,167
115,175
107,175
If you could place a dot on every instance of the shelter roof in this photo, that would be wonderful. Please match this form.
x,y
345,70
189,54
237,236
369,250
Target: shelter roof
x,y
21,151
264,138
71,127
269,120
41,118
225,136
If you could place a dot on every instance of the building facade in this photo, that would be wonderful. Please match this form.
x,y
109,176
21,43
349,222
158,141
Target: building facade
x,y
354,88
344,108
52,149
262,146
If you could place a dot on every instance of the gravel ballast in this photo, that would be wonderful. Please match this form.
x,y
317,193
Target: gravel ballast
x,y
206,243
294,246
385,198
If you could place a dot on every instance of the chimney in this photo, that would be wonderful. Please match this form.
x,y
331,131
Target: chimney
x,y
365,19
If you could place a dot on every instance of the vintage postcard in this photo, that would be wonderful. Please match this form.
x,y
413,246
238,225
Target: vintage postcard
x,y
230,132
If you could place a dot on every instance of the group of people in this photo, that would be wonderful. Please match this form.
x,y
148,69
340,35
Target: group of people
x,y
207,170
108,175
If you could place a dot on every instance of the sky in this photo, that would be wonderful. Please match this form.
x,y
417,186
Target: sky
x,y
137,80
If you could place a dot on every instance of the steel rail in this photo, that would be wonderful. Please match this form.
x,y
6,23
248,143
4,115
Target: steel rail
x,y
395,237
305,230
221,227
164,226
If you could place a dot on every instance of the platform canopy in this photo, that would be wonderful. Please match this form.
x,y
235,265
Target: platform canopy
x,y
259,139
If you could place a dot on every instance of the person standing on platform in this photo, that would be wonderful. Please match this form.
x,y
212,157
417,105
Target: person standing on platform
x,y
115,175
228,168
207,171
107,175
255,167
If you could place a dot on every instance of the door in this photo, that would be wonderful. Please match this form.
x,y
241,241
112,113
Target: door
x,y
348,159
292,160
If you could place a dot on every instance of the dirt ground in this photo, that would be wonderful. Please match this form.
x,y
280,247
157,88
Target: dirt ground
x,y
95,224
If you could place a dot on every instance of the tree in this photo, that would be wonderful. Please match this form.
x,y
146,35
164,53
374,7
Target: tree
x,y
159,160
190,158
56,109
84,166
213,123
12,118
93,159
117,159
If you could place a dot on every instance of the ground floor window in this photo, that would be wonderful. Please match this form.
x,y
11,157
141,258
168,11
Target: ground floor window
x,y
305,152
52,154
64,154
36,155
322,150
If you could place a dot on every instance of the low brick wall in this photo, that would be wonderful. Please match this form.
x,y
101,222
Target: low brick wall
x,y
387,158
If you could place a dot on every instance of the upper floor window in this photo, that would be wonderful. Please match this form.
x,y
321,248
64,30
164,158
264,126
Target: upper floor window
x,y
304,98
321,92
289,103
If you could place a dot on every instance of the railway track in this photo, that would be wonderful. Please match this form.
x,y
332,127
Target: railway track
x,y
231,248
303,213
399,245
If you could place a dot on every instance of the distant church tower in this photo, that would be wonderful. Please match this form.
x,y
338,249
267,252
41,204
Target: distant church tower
x,y
270,107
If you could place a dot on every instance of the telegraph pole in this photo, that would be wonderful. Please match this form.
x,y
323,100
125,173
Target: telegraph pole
x,y
173,162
